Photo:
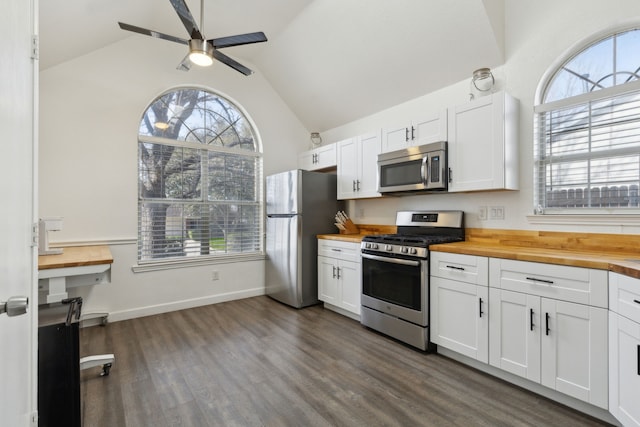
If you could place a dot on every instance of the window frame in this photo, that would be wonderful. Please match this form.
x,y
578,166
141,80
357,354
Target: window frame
x,y
562,215
256,155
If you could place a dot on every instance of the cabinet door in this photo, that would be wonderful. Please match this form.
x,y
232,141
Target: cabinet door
x,y
429,128
367,181
459,317
350,281
395,138
306,160
326,157
514,333
327,280
347,168
483,144
573,340
624,369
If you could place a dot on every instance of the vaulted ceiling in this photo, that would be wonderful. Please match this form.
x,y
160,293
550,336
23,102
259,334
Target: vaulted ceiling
x,y
331,61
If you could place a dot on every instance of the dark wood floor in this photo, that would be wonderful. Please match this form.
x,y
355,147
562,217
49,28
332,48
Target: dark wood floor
x,y
256,362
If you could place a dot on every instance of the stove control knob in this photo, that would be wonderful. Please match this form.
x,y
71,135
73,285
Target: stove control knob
x,y
414,251
367,245
405,250
374,246
388,248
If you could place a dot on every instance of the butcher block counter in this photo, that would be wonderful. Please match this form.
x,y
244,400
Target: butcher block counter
x,y
76,256
614,252
619,253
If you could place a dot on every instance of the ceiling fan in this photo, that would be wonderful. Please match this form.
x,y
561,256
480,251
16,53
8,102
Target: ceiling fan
x,y
201,51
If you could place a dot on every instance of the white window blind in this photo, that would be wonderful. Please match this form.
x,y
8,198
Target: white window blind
x,y
588,155
200,179
587,150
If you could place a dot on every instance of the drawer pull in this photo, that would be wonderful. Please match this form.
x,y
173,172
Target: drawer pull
x,y
636,301
535,279
336,250
531,319
546,315
455,267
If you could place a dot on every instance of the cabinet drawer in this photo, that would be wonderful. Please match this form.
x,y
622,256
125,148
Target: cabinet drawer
x,y
574,284
624,296
463,268
346,251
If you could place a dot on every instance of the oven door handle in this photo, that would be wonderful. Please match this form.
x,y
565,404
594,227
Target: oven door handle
x,y
392,260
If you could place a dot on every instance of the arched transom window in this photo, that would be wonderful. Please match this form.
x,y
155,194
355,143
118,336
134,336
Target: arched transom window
x,y
587,149
199,178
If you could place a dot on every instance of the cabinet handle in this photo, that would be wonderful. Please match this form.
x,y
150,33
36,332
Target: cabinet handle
x,y
480,306
636,301
358,184
455,267
546,315
450,175
531,319
354,185
338,275
413,136
638,358
406,134
535,279
334,271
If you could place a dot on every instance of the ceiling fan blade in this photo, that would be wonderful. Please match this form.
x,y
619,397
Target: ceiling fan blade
x,y
240,39
231,63
185,65
187,19
152,33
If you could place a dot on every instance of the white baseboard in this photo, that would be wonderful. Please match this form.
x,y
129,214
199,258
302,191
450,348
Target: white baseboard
x,y
184,304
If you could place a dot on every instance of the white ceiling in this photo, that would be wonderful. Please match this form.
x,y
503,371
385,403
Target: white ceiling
x,y
332,61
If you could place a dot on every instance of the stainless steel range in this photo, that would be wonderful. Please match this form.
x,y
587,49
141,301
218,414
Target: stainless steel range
x,y
395,274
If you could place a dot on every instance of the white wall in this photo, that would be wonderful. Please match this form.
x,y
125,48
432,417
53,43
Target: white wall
x,y
90,109
536,35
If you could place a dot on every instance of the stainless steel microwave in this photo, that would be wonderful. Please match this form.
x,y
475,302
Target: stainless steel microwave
x,y
419,168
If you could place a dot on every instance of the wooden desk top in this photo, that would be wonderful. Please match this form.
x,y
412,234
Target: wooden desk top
x,y
76,256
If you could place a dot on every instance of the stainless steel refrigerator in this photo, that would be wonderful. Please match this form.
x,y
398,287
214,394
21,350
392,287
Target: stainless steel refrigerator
x,y
300,205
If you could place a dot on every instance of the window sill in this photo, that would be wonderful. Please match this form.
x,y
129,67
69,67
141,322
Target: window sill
x,y
586,219
195,262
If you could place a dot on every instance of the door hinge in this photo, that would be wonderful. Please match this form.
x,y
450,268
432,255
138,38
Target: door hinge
x,y
34,234
35,47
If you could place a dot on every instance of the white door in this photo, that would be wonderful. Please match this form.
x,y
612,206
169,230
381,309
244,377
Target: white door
x,y
459,317
368,164
514,333
18,334
574,359
351,277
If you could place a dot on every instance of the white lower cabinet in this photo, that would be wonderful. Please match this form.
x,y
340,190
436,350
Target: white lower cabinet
x,y
557,342
339,275
459,304
624,349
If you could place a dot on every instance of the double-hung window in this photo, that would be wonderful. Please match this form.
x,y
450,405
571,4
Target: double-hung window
x,y
587,142
199,179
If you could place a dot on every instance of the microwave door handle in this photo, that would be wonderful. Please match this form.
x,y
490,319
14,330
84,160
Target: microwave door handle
x,y
424,170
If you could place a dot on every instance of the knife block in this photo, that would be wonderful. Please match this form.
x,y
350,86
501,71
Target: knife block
x,y
350,228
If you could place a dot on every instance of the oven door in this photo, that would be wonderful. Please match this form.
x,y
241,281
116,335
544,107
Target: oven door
x,y
396,286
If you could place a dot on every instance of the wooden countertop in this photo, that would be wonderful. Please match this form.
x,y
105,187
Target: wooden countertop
x,y
76,256
613,252
618,253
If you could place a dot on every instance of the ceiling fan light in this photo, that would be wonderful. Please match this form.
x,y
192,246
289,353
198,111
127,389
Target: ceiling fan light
x,y
200,52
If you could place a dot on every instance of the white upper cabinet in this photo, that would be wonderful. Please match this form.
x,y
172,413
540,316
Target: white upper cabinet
x,y
323,157
483,144
422,130
358,166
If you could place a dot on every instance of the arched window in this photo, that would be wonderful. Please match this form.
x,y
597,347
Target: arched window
x,y
587,142
199,178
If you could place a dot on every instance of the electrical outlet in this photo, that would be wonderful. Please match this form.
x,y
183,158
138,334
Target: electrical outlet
x,y
482,213
496,212
361,212
215,275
